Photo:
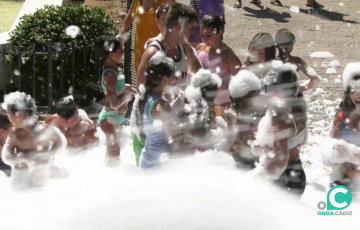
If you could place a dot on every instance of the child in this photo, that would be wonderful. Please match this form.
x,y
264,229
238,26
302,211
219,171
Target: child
x,y
5,129
282,130
160,21
244,91
179,25
153,111
31,145
285,41
261,52
74,123
215,55
345,123
117,97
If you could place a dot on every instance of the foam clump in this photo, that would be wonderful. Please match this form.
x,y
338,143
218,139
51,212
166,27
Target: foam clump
x,y
351,70
322,54
204,78
21,100
277,68
331,71
244,82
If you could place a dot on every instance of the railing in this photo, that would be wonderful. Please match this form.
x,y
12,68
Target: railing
x,y
73,56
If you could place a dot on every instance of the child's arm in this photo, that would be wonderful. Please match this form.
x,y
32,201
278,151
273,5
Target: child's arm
x,y
193,62
311,74
233,62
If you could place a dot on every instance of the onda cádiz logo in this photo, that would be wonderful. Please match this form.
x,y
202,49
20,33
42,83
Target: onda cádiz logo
x,y
338,198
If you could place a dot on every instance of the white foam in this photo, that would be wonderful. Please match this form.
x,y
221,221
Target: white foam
x,y
72,31
20,99
351,70
334,63
322,54
204,78
294,9
337,81
331,71
244,82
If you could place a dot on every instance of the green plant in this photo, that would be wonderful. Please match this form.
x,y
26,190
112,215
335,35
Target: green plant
x,y
50,23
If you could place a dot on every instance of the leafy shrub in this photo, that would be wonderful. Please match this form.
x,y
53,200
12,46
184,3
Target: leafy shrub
x,y
51,23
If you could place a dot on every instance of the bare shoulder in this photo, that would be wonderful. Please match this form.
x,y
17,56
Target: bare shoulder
x,y
200,47
51,119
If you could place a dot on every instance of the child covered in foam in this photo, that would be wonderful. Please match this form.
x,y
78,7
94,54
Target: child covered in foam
x,y
31,145
283,130
248,108
341,151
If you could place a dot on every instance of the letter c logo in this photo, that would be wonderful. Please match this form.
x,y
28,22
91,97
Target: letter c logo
x,y
332,198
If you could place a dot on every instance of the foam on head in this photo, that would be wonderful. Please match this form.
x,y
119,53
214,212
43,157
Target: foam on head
x,y
20,100
193,93
205,78
244,82
279,67
351,70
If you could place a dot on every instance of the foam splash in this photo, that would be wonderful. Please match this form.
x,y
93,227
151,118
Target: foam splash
x,y
322,54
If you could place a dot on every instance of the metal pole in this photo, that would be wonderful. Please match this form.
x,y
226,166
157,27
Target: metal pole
x,y
84,66
50,75
73,65
19,67
95,62
34,78
4,65
62,71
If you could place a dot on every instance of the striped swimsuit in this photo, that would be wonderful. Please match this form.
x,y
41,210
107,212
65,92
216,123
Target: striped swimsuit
x,y
156,142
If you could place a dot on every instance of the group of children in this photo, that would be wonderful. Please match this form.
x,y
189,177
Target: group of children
x,y
188,100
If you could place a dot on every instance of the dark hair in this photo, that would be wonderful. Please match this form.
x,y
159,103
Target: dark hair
x,y
274,80
4,120
214,22
284,37
346,104
209,92
106,46
178,11
164,8
156,69
266,41
66,108
244,101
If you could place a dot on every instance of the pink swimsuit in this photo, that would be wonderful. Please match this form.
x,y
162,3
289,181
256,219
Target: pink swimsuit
x,y
215,64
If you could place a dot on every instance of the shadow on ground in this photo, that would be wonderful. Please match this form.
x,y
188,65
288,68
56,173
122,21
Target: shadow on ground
x,y
268,13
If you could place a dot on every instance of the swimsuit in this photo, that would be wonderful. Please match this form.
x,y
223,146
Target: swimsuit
x,y
120,86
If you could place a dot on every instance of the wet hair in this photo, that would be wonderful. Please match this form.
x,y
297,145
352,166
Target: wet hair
x,y
214,22
4,120
158,67
276,79
346,104
265,41
106,46
19,102
284,37
209,92
164,8
180,11
66,107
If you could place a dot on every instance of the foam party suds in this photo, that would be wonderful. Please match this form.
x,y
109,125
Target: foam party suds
x,y
201,192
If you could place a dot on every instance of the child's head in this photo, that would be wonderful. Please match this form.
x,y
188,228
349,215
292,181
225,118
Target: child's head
x,y
243,89
261,48
285,41
181,20
159,72
208,83
281,80
21,109
5,126
351,83
110,49
68,112
211,29
161,14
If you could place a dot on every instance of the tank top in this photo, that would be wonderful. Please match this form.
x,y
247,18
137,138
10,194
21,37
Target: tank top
x,y
181,67
215,64
156,141
349,135
120,83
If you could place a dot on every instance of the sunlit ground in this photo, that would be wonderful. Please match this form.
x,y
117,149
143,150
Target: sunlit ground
x,y
9,9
